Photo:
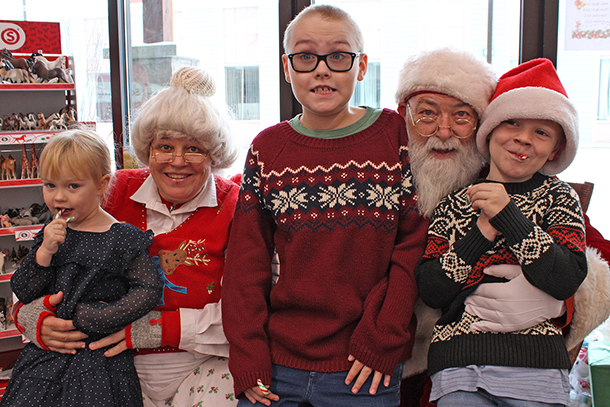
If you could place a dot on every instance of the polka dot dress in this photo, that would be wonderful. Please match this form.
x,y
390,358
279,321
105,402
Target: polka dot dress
x,y
108,280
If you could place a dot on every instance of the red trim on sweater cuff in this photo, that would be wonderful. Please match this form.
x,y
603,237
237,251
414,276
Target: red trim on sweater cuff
x,y
42,316
170,334
565,320
16,309
128,341
47,304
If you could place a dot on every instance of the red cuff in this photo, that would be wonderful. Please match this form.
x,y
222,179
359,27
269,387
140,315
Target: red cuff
x,y
128,337
170,335
47,304
43,315
16,309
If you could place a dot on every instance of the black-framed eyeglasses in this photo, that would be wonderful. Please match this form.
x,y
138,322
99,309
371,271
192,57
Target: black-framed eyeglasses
x,y
427,126
191,158
335,61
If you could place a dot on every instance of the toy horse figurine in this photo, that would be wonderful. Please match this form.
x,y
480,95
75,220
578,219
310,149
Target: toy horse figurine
x,y
34,164
15,62
8,168
25,164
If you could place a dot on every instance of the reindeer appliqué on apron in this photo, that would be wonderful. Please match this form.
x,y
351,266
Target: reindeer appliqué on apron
x,y
191,253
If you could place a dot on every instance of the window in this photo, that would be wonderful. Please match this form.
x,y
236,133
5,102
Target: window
x,y
242,92
603,105
368,91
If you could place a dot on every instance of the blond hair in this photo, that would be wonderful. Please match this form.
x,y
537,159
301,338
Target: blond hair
x,y
329,13
77,151
185,110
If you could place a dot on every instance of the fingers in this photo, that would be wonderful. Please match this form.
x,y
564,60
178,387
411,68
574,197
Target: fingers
x,y
362,373
111,339
59,335
120,347
55,299
255,395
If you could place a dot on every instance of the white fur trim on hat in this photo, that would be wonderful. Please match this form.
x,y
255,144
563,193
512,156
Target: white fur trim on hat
x,y
533,103
449,71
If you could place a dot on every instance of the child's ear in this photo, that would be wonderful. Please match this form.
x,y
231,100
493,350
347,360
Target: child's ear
x,y
286,65
363,61
558,150
103,186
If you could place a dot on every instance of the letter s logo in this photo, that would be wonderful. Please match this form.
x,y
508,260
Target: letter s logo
x,y
12,36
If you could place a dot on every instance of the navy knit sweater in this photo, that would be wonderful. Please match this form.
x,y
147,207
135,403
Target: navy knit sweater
x,y
542,229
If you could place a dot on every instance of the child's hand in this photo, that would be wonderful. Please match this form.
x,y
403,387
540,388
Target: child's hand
x,y
490,198
255,394
54,235
363,373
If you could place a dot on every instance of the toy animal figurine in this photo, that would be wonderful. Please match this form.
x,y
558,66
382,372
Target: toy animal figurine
x,y
25,164
13,122
59,62
57,124
8,168
34,163
49,119
16,62
41,70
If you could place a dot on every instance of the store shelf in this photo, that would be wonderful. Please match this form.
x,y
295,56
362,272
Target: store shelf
x,y
22,137
33,182
37,86
10,333
5,277
21,233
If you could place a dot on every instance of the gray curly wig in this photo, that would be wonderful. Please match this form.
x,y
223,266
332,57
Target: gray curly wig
x,y
185,109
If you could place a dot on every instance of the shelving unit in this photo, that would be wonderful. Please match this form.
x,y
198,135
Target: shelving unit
x,y
22,193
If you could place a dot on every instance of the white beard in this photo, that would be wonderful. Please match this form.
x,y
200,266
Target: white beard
x,y
435,178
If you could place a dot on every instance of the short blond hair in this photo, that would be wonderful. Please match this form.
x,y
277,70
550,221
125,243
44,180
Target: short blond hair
x,y
78,151
185,110
330,13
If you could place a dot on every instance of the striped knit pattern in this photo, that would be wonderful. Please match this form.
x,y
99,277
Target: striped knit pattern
x,y
542,229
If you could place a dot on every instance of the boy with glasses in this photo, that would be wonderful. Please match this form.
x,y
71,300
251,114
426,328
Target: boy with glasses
x,y
331,191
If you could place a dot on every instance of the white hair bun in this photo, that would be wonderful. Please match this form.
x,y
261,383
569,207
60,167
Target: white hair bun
x,y
194,80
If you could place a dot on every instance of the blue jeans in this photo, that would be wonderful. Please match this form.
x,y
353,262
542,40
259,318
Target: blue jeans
x,y
301,387
482,398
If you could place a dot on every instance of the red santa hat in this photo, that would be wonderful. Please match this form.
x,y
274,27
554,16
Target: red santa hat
x,y
532,91
449,71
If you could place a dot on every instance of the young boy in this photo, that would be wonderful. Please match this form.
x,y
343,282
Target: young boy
x,y
517,216
331,192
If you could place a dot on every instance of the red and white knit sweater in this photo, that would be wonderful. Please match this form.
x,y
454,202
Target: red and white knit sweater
x,y
341,214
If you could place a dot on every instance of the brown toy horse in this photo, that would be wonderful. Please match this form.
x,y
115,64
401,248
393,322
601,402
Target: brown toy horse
x,y
42,71
8,168
21,63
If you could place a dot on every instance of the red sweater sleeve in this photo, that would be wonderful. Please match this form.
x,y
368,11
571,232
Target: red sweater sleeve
x,y
385,334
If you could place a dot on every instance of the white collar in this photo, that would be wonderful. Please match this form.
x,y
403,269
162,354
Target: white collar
x,y
148,194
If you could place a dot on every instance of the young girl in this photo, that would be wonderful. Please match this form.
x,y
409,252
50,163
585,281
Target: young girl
x,y
103,269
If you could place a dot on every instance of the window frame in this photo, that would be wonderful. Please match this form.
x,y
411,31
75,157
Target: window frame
x,y
539,24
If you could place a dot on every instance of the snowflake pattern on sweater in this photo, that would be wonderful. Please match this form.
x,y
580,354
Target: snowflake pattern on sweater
x,y
342,215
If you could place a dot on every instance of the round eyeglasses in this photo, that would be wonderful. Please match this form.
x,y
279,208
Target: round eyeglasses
x,y
191,158
335,61
428,126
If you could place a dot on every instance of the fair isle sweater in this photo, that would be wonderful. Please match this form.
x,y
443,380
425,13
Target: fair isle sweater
x,y
542,229
341,214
